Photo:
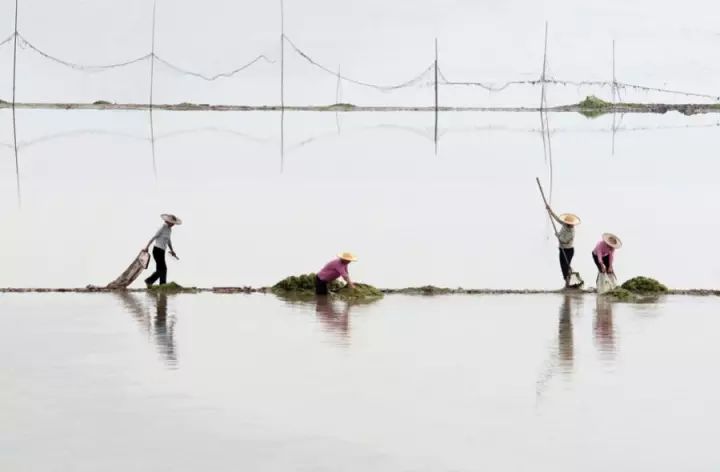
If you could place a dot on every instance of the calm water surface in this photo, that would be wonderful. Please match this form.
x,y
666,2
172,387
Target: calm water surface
x,y
213,382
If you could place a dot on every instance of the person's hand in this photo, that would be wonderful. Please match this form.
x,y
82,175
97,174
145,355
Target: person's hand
x,y
611,271
603,269
352,285
172,253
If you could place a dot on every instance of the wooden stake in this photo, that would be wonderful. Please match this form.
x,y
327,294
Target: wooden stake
x,y
542,77
282,54
14,82
436,95
150,100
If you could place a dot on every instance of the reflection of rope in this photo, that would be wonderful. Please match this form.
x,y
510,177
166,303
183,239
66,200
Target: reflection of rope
x,y
24,42
408,83
210,78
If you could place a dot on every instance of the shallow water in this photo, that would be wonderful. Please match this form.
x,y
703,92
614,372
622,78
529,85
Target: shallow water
x,y
228,382
91,191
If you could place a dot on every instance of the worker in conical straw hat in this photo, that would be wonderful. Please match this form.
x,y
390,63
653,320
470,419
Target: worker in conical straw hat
x,y
333,270
566,241
162,242
604,253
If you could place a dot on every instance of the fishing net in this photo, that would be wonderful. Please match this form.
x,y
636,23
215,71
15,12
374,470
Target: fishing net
x,y
132,272
605,283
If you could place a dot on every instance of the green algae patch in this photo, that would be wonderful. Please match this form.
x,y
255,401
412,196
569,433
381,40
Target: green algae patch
x,y
170,288
426,290
620,294
302,288
644,286
359,293
592,106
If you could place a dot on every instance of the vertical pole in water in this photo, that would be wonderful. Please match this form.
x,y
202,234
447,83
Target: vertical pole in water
x,y
282,86
615,96
14,81
282,54
337,100
436,95
542,77
150,100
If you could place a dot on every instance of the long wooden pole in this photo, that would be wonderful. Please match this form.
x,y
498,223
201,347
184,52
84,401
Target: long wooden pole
x,y
542,77
14,82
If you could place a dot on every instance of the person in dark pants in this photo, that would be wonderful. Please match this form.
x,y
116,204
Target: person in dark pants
x,y
162,242
566,241
332,271
604,253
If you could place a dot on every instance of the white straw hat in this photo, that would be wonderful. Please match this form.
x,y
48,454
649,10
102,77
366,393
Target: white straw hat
x,y
347,256
612,240
570,219
167,218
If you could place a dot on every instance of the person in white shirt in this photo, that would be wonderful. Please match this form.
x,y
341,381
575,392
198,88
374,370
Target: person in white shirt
x,y
566,241
162,242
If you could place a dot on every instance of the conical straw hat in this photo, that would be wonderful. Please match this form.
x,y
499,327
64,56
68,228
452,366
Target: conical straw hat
x,y
167,218
612,240
570,219
347,256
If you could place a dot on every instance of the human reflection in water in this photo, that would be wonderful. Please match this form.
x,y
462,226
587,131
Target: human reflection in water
x,y
334,320
603,329
566,347
155,322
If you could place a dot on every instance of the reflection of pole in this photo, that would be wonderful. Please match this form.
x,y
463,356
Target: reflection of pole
x,y
150,101
14,80
282,54
436,95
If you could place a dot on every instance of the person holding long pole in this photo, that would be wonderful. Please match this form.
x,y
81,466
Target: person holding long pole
x,y
566,241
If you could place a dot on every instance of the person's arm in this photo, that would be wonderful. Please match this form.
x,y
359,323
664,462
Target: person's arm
x,y
611,258
172,251
553,215
346,275
147,248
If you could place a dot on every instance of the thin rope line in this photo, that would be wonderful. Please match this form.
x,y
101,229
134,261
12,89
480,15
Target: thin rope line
x,y
77,66
6,41
407,83
211,78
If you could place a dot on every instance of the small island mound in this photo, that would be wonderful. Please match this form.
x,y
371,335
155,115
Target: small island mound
x,y
302,287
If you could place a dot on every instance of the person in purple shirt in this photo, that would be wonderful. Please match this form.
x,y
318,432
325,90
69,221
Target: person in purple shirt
x,y
604,253
332,271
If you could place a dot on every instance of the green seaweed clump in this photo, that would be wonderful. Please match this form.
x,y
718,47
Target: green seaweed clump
x,y
593,106
620,294
644,285
359,293
101,102
302,287
171,287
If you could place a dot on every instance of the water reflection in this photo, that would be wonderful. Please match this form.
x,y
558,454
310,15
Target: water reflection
x,y
566,347
335,318
604,329
155,321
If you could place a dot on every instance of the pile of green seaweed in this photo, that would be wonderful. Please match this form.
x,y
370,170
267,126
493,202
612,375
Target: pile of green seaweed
x,y
638,289
302,287
170,288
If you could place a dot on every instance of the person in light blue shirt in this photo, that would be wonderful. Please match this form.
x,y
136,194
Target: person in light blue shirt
x,y
162,242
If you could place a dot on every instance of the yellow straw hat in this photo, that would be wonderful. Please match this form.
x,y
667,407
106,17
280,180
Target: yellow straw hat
x,y
347,256
612,240
167,218
570,219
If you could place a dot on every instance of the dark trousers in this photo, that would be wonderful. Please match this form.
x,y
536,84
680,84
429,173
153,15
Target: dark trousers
x,y
606,261
566,256
160,267
321,287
